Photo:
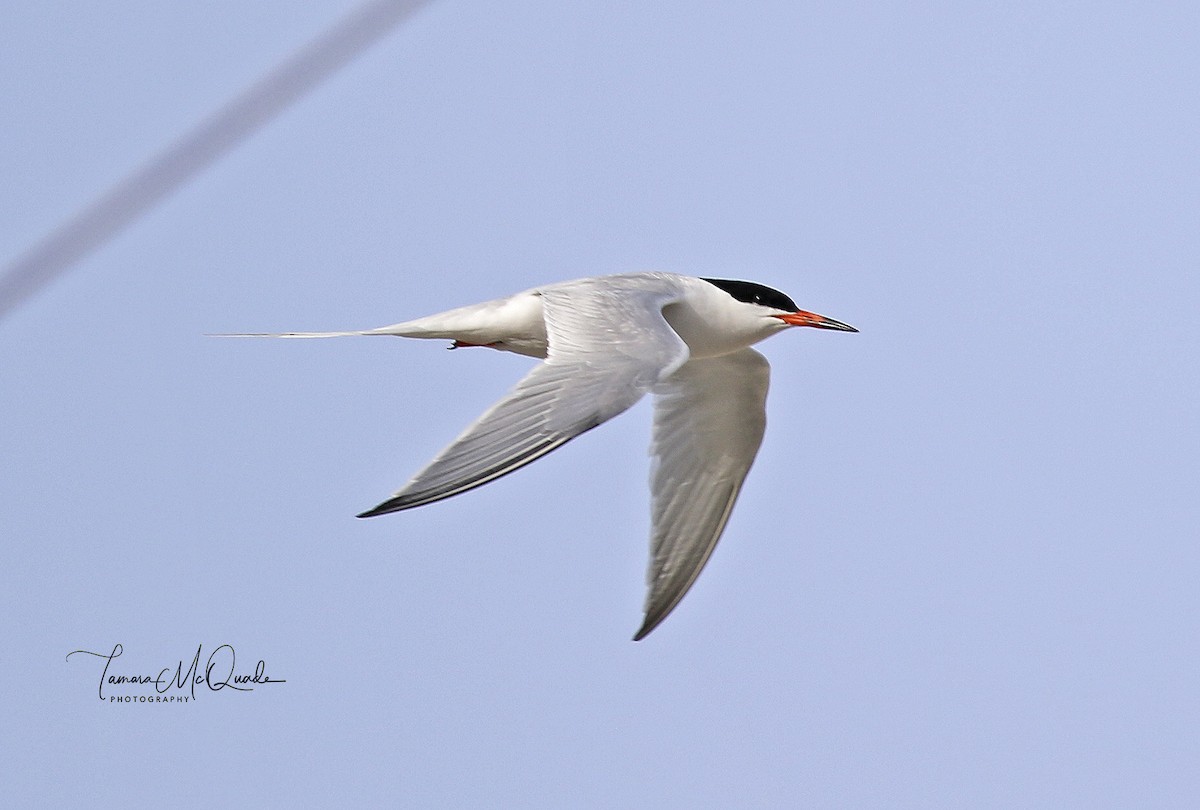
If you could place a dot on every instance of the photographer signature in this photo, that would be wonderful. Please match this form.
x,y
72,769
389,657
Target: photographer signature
x,y
219,672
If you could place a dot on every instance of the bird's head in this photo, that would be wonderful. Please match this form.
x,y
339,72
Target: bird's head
x,y
774,304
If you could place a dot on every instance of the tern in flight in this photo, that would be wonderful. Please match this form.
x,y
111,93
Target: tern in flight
x,y
605,342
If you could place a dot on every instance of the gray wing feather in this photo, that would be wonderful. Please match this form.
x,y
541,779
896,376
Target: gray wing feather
x,y
709,420
605,352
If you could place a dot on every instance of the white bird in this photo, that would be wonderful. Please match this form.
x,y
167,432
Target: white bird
x,y
606,342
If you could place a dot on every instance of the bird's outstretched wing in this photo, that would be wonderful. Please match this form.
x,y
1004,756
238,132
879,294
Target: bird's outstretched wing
x,y
607,348
709,418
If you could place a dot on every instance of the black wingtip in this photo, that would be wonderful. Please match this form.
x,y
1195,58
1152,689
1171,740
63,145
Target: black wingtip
x,y
396,504
647,628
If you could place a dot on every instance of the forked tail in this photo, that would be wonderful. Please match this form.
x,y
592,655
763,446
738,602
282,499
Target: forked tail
x,y
383,330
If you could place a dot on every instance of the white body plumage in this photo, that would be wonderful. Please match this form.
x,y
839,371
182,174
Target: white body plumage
x,y
605,343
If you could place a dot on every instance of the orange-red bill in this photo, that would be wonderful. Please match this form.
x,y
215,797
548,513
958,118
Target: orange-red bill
x,y
802,318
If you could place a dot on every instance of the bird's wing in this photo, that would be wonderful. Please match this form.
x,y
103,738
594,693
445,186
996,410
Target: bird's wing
x,y
606,349
709,418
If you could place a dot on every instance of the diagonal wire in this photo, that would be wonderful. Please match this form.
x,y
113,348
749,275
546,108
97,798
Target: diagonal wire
x,y
210,139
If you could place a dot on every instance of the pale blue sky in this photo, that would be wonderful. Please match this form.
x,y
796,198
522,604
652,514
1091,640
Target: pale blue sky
x,y
962,572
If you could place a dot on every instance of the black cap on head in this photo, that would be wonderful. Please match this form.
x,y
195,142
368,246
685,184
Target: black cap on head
x,y
752,293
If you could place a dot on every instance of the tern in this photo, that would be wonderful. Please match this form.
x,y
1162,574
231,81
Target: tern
x,y
605,342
